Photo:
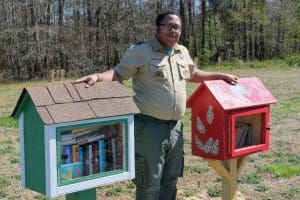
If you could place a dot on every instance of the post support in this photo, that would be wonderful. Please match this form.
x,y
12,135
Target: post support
x,y
229,171
83,195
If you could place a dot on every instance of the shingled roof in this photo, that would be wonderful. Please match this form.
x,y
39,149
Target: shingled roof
x,y
72,102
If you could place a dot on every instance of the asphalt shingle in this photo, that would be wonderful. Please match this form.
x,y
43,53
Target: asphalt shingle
x,y
72,102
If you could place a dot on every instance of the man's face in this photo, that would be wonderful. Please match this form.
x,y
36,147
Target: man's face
x,y
169,31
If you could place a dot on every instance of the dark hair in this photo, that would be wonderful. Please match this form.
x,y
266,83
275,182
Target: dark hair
x,y
160,17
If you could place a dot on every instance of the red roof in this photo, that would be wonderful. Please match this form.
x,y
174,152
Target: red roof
x,y
247,92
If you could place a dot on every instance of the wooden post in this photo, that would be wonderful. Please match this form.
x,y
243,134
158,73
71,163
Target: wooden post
x,y
229,171
83,195
62,74
51,75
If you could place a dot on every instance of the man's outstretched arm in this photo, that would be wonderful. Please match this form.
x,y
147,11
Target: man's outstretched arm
x,y
109,75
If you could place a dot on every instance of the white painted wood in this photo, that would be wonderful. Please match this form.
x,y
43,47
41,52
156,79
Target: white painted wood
x,y
50,160
131,152
52,188
82,122
85,185
22,150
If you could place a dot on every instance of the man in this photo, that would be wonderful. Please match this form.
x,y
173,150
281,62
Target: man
x,y
159,69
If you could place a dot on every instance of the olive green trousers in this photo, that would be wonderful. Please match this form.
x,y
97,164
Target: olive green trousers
x,y
158,157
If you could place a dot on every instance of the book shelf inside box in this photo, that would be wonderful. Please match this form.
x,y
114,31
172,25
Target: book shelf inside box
x,y
248,130
93,150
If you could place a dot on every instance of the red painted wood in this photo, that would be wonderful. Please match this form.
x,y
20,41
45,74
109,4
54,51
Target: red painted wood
x,y
216,109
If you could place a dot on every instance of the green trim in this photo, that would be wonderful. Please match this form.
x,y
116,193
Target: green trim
x,y
59,130
83,195
20,104
34,148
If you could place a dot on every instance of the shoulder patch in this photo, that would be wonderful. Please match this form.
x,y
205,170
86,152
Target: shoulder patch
x,y
138,43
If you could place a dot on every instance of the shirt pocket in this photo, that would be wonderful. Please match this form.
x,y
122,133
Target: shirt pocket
x,y
183,70
158,69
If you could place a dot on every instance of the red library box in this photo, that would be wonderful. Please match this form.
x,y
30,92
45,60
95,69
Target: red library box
x,y
229,121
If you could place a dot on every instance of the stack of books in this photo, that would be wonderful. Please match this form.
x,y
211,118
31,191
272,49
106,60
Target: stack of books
x,y
89,151
243,134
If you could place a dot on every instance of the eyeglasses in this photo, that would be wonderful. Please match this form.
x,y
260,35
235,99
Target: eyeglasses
x,y
171,27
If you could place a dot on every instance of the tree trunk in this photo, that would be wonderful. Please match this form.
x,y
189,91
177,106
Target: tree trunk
x,y
184,30
203,19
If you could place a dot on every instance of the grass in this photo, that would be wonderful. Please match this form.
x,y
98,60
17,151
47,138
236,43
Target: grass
x,y
189,193
280,165
261,188
6,149
115,191
250,178
291,193
280,170
286,157
214,191
283,165
3,195
287,107
196,169
7,122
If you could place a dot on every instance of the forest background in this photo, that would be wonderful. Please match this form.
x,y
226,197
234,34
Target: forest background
x,y
85,36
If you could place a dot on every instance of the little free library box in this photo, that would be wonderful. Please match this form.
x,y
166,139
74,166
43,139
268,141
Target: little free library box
x,y
74,138
229,121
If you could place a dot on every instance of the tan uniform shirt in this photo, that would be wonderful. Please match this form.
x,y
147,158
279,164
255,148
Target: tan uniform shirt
x,y
159,80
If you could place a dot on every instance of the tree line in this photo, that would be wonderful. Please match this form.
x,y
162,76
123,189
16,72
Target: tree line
x,y
85,36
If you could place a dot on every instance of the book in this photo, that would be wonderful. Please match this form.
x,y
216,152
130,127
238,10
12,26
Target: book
x,y
106,131
108,154
102,157
114,152
66,155
243,134
111,153
90,157
81,137
75,153
80,154
90,137
80,130
95,157
85,158
70,171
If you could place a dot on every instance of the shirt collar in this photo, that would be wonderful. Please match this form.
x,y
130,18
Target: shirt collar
x,y
158,47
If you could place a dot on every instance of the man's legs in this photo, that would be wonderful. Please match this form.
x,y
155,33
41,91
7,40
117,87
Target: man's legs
x,y
173,164
159,149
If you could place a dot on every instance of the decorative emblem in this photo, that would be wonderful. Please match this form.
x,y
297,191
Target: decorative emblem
x,y
200,126
211,145
210,114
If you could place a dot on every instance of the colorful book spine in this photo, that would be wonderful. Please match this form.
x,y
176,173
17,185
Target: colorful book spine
x,y
102,157
75,153
114,152
86,162
80,154
95,158
66,154
70,171
90,158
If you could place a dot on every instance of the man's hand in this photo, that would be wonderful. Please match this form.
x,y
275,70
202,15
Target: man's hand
x,y
229,78
89,80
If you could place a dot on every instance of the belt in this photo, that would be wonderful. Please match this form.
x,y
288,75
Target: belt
x,y
153,119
